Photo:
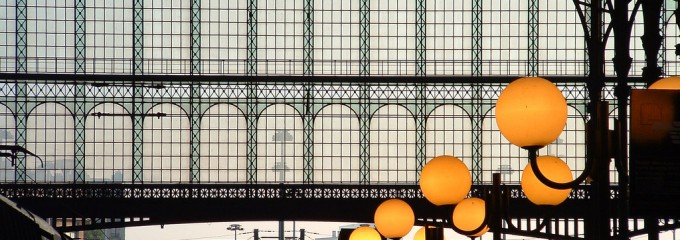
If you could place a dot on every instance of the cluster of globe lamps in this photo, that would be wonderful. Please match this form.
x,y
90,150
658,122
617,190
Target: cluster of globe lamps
x,y
531,113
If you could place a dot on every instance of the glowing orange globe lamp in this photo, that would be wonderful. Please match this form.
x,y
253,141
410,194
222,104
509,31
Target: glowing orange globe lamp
x,y
469,215
531,112
420,234
540,194
394,218
445,180
364,233
669,83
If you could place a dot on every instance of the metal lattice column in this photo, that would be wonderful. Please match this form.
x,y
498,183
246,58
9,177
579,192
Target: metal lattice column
x,y
80,36
308,62
251,64
308,144
138,37
137,135
364,38
79,98
420,38
364,131
20,89
137,94
308,44
195,100
420,99
20,134
476,117
251,118
79,134
533,38
196,37
477,37
420,129
21,30
195,138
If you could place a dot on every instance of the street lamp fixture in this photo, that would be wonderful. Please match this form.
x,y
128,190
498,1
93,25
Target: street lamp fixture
x,y
531,112
394,218
235,227
365,232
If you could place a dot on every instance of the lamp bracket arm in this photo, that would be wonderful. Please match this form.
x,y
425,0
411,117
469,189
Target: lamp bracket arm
x,y
541,177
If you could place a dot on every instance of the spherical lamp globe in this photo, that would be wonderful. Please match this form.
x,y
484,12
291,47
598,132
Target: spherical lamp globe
x,y
420,234
445,180
469,215
364,233
531,112
669,83
394,218
555,170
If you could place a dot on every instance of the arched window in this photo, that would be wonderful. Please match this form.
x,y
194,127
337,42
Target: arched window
x,y
393,151
279,145
449,132
223,145
166,145
49,134
108,145
336,145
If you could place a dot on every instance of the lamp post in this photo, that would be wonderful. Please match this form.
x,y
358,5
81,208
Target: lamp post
x,y
281,168
531,113
235,227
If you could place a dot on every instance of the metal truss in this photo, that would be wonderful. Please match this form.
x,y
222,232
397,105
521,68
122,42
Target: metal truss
x,y
364,37
533,38
196,37
420,37
138,36
152,201
195,113
137,134
308,41
21,41
477,37
251,67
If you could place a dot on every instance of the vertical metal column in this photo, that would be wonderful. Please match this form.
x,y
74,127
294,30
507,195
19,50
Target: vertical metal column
x,y
195,19
420,38
476,117
251,62
364,137
597,224
364,38
79,134
21,30
195,128
195,109
622,63
308,62
364,70
137,94
420,87
137,37
79,96
20,89
308,141
251,118
251,69
533,38
651,43
308,35
80,36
